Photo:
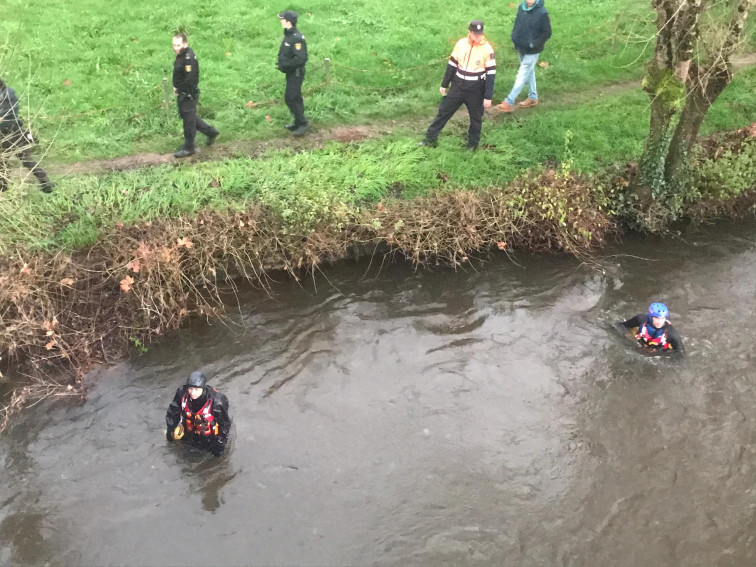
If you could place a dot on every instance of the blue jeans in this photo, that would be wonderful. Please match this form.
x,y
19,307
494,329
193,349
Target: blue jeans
x,y
525,74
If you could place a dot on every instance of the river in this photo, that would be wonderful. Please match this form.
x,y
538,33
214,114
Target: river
x,y
394,417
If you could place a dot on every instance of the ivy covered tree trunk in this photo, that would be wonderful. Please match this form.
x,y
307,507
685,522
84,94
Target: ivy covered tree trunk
x,y
690,69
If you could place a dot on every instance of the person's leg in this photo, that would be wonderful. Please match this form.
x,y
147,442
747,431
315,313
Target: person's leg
x,y
293,96
532,91
474,104
29,163
299,108
188,114
4,171
527,68
204,127
449,105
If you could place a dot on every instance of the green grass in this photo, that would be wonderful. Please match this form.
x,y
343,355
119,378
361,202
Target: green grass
x,y
387,61
116,55
601,133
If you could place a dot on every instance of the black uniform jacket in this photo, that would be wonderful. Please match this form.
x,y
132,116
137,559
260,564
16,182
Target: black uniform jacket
x,y
220,408
186,73
9,116
293,51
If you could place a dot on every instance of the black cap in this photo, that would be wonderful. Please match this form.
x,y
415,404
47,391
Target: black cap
x,y
289,16
476,26
197,379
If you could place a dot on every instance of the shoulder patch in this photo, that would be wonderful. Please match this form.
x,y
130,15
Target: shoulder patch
x,y
188,68
297,46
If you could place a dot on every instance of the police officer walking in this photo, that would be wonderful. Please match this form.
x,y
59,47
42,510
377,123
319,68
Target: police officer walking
x,y
16,141
292,57
471,72
186,89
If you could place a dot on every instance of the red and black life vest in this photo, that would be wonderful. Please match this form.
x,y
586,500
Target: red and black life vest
x,y
201,422
651,337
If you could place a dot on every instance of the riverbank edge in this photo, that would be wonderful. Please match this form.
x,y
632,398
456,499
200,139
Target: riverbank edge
x,y
64,312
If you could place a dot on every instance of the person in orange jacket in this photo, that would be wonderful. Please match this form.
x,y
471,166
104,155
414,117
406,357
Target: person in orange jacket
x,y
198,415
470,72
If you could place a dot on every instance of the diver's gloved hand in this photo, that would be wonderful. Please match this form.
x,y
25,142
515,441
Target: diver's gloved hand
x,y
218,445
169,433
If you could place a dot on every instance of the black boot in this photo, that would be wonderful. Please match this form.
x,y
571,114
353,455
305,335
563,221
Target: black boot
x,y
183,152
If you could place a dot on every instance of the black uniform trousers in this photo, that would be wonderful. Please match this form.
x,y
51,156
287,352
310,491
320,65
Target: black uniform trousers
x,y
469,94
293,95
187,108
17,142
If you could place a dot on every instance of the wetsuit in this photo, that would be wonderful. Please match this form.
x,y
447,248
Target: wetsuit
x,y
648,336
206,421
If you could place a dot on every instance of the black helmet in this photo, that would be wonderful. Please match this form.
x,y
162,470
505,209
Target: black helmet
x,y
197,380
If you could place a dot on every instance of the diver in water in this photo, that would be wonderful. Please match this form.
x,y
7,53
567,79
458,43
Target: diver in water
x,y
654,330
198,415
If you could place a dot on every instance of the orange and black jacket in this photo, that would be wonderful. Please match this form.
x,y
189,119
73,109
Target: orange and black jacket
x,y
201,416
469,64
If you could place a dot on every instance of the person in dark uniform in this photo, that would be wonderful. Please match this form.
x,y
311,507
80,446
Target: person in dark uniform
x,y
198,415
471,72
16,141
186,88
292,57
654,331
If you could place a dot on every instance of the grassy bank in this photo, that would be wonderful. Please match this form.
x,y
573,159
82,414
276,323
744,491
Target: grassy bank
x,y
93,75
590,136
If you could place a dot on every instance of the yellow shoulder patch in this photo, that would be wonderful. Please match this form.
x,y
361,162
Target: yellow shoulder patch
x,y
188,68
297,46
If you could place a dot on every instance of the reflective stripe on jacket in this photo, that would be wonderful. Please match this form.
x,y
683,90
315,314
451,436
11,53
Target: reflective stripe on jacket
x,y
202,422
473,61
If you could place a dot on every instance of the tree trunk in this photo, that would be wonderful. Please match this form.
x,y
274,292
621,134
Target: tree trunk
x,y
700,98
677,85
704,85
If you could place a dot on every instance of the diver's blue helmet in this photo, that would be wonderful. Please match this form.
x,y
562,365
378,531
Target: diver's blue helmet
x,y
658,310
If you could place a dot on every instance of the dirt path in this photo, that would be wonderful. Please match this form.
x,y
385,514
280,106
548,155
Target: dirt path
x,y
317,137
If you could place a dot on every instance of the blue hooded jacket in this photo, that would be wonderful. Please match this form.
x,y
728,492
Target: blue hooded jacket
x,y
532,28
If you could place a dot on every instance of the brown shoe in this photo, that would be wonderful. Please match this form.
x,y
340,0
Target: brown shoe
x,y
528,103
504,106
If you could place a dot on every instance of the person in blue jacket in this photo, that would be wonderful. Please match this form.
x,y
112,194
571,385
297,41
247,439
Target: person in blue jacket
x,y
531,31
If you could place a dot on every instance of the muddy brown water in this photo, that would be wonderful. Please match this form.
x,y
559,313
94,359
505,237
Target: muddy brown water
x,y
489,416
